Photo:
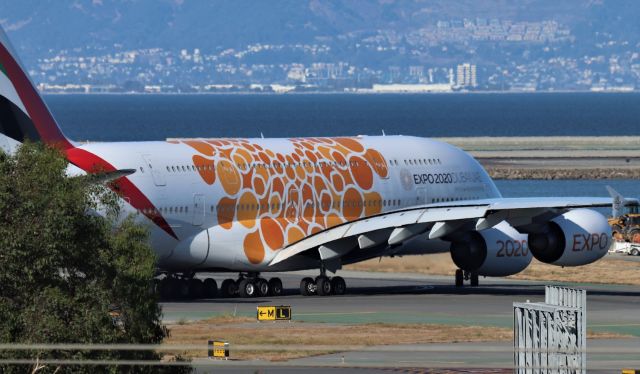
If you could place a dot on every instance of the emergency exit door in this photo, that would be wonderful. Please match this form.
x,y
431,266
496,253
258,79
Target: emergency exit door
x,y
198,210
156,172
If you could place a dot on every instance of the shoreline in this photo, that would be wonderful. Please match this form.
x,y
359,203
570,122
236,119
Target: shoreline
x,y
562,174
556,157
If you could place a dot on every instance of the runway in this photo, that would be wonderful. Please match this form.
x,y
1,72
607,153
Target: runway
x,y
410,298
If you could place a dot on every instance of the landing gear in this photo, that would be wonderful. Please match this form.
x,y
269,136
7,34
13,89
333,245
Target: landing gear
x,y
247,288
459,278
186,286
275,287
228,288
174,286
474,279
307,287
210,288
323,286
195,288
338,285
251,285
471,276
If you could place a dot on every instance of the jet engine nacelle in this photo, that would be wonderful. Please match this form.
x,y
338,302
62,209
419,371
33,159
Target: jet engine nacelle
x,y
497,252
577,237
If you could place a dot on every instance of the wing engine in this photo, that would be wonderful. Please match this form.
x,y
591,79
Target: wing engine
x,y
577,237
498,251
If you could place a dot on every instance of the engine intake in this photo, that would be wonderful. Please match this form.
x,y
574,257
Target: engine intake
x,y
498,251
577,237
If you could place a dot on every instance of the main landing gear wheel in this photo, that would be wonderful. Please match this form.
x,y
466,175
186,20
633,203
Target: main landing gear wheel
x,y
228,288
307,287
474,279
459,278
196,288
338,286
210,288
182,289
166,289
262,287
275,287
247,288
323,286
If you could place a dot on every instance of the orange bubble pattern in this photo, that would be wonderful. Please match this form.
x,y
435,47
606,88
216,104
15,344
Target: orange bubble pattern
x,y
278,199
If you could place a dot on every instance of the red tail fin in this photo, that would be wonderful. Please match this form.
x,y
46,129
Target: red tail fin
x,y
23,113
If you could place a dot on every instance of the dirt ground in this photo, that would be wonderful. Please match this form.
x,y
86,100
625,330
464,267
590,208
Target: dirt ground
x,y
608,270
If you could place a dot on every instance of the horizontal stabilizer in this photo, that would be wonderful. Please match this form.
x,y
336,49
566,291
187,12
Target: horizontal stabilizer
x,y
109,176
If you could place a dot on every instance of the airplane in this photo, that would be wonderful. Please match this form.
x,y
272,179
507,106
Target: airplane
x,y
254,206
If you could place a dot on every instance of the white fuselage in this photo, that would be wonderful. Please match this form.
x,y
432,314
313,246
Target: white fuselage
x,y
232,204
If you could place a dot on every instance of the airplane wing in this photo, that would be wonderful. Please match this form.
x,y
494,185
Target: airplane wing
x,y
436,221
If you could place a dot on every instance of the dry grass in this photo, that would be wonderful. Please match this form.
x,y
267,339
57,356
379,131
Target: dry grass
x,y
288,340
609,270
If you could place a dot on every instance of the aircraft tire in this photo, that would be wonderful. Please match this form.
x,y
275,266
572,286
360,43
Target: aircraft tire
x,y
323,286
475,281
459,278
275,287
196,288
307,287
338,286
210,288
167,288
247,288
228,288
262,287
182,289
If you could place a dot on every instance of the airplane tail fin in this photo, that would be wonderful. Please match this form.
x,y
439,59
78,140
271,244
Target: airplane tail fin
x,y
23,113
618,202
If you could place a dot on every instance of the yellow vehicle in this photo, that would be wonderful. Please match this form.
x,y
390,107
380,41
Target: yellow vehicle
x,y
626,227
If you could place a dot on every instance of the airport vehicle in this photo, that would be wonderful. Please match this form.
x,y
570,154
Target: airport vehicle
x,y
632,249
626,227
260,205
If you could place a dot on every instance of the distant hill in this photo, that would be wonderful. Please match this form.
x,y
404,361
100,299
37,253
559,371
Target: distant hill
x,y
185,45
66,24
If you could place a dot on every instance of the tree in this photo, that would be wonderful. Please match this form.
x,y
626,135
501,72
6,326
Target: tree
x,y
67,273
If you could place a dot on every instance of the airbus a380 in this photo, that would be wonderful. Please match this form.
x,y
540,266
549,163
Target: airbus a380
x,y
253,206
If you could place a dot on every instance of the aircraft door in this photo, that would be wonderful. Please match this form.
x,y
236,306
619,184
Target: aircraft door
x,y
198,210
423,196
156,172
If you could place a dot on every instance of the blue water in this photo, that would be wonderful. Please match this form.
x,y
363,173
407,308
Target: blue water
x,y
156,117
550,188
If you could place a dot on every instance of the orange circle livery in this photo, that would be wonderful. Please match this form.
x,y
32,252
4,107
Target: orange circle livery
x,y
289,205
